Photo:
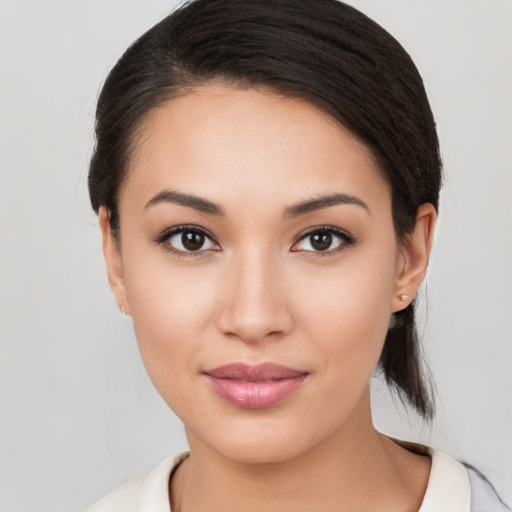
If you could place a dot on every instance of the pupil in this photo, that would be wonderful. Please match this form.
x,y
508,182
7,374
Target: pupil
x,y
192,241
321,241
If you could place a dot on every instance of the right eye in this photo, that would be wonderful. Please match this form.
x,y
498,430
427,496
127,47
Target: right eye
x,y
187,240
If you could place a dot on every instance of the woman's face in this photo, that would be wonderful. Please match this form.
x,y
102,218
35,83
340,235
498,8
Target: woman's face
x,y
255,230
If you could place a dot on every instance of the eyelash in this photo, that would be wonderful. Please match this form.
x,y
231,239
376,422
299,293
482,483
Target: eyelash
x,y
163,239
346,240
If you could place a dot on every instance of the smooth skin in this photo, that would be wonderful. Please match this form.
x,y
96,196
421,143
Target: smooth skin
x,y
256,287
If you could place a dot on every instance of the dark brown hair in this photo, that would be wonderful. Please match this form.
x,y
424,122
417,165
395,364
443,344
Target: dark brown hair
x,y
322,51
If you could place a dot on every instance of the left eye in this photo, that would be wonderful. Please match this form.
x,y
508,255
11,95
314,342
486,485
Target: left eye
x,y
321,241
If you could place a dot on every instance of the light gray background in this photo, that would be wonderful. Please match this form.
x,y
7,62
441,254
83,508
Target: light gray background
x,y
78,414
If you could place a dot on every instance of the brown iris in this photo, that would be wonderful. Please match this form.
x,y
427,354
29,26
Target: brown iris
x,y
192,241
321,241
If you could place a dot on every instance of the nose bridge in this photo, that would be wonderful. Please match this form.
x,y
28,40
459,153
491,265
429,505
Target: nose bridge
x,y
255,306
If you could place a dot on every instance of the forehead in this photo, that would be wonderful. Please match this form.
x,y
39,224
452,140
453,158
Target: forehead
x,y
224,142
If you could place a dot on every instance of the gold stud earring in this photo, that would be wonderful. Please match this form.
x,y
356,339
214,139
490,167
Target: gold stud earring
x,y
403,297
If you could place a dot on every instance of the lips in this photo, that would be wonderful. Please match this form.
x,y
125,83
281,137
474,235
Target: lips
x,y
254,387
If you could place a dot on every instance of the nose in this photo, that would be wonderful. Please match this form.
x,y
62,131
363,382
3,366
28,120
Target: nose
x,y
254,300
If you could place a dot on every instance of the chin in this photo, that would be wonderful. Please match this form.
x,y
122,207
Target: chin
x,y
259,451
257,441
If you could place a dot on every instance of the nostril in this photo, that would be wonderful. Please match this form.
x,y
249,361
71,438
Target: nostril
x,y
266,329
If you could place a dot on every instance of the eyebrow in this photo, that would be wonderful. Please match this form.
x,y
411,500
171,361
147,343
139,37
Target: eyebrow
x,y
321,202
196,202
301,208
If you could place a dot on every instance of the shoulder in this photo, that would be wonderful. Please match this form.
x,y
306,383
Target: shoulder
x,y
484,497
458,487
148,493
123,498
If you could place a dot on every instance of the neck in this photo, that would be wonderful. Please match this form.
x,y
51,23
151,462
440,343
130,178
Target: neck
x,y
356,469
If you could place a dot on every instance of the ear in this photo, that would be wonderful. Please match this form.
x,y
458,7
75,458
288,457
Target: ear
x,y
414,256
113,261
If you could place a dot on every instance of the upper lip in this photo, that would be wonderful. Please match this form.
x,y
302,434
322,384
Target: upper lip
x,y
263,371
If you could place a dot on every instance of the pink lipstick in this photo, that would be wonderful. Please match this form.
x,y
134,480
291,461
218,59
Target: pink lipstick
x,y
255,387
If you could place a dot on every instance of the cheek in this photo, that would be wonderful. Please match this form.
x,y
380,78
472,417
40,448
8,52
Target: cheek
x,y
171,311
347,312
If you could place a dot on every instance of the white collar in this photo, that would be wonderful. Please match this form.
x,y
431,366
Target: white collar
x,y
448,488
154,493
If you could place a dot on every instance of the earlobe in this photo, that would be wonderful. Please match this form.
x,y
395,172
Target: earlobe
x,y
414,257
113,261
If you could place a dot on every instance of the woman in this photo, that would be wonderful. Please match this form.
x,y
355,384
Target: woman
x,y
266,177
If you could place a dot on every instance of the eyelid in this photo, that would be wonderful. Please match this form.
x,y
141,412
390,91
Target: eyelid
x,y
346,239
164,237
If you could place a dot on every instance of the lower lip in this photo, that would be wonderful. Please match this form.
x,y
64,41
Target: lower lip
x,y
255,394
